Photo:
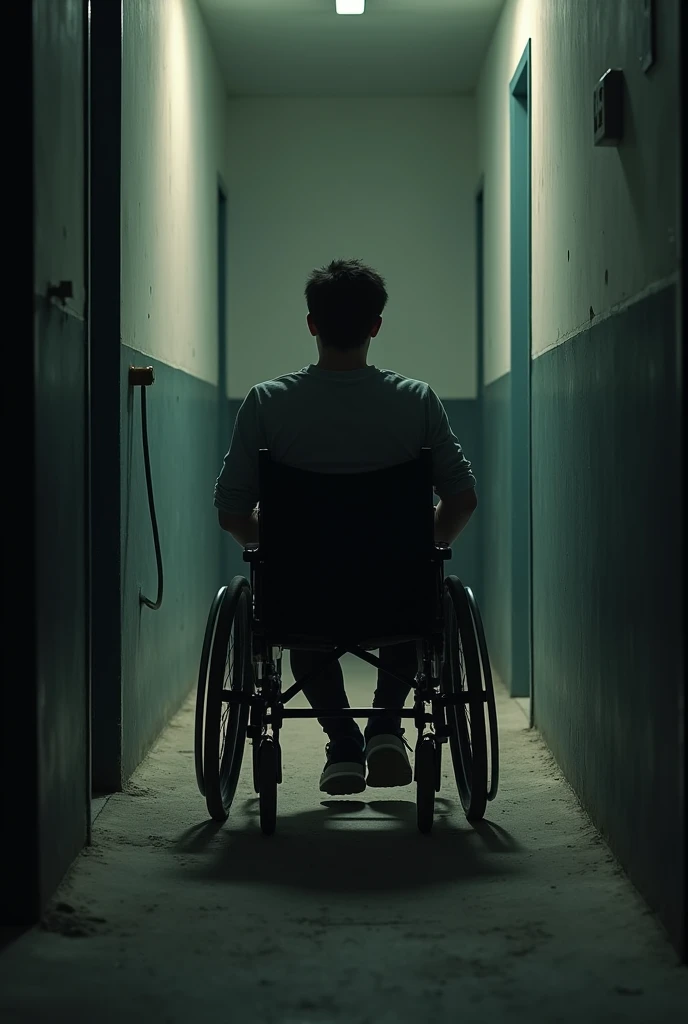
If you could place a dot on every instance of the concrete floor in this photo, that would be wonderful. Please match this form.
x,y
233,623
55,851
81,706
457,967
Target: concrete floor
x,y
347,913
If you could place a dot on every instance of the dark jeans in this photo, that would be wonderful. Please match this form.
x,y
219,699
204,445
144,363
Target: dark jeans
x,y
327,689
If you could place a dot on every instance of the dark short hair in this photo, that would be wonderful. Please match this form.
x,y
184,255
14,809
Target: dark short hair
x,y
345,299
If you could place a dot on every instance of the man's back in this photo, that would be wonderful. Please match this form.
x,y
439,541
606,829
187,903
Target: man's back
x,y
339,421
344,416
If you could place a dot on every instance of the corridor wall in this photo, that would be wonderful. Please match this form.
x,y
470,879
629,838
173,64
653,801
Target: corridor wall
x,y
606,475
388,180
173,159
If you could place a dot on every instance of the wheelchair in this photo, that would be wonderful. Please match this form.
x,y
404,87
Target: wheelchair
x,y
345,563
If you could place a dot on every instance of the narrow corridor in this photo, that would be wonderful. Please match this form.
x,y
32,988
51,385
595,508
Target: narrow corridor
x,y
347,913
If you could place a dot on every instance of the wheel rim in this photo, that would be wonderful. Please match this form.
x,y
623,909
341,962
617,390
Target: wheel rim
x,y
462,674
457,714
201,690
491,707
233,717
225,723
228,683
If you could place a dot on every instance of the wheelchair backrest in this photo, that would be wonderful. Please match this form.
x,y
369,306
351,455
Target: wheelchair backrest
x,y
345,556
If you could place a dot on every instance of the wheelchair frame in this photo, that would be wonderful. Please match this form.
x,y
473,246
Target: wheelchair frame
x,y
445,707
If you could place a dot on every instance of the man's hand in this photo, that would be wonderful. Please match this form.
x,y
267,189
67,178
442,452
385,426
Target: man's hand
x,y
244,529
453,513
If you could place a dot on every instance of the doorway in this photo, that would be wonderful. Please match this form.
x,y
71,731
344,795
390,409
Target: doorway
x,y
223,423
104,180
480,364
521,513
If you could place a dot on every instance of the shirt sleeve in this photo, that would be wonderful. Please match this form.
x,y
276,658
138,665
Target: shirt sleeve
x,y
451,469
236,488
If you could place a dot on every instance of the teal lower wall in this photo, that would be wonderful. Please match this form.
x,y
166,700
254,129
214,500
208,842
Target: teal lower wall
x,y
465,562
160,650
607,634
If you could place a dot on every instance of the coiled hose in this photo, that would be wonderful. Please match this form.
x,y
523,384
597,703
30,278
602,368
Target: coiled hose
x,y
142,376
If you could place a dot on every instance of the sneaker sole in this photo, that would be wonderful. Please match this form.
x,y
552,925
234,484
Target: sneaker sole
x,y
342,779
388,767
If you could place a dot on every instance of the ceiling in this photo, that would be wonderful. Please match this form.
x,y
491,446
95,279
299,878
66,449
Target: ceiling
x,y
397,48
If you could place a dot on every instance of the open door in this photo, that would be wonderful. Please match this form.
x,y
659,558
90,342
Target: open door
x,y
45,762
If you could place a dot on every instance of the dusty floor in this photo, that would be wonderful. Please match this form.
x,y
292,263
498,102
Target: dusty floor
x,y
347,913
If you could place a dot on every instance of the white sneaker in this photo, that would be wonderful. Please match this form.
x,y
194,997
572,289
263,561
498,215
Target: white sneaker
x,y
344,771
388,762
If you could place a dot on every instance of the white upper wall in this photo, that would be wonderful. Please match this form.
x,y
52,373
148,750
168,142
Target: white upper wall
x,y
604,220
173,149
389,181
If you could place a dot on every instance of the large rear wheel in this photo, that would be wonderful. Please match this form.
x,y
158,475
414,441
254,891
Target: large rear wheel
x,y
493,747
462,682
230,673
202,686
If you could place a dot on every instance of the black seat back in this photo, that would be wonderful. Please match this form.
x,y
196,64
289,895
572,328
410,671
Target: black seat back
x,y
345,558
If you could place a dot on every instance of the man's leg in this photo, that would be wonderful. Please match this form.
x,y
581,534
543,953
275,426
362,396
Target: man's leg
x,y
388,762
344,770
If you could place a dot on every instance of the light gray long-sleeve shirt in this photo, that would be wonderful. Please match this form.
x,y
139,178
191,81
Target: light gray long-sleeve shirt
x,y
339,421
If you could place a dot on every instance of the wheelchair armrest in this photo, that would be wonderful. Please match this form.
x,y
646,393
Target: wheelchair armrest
x,y
251,552
442,550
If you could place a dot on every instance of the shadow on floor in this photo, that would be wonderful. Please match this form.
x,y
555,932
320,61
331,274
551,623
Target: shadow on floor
x,y
348,845
11,933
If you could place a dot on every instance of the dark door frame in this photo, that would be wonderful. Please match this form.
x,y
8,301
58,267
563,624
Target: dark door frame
x,y
19,859
521,359
682,342
222,400
105,393
223,418
480,358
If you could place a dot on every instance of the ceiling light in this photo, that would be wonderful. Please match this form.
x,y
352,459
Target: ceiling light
x,y
350,6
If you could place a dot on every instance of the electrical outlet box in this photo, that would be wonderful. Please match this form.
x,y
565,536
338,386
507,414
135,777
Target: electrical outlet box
x,y
608,108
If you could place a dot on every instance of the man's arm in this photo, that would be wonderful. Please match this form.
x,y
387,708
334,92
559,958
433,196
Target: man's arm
x,y
236,488
452,476
452,515
244,529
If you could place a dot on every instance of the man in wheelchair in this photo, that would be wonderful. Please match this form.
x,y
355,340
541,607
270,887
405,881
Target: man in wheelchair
x,y
336,416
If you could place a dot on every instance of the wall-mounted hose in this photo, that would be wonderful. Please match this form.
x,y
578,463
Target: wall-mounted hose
x,y
143,377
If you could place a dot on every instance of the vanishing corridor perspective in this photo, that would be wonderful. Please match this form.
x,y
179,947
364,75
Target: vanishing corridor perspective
x,y
347,912
423,250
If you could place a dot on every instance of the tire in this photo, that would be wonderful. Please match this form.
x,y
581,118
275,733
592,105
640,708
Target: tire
x,y
493,750
425,771
461,675
231,668
268,772
255,760
438,766
202,687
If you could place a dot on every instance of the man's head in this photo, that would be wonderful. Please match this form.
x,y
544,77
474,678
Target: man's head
x,y
345,302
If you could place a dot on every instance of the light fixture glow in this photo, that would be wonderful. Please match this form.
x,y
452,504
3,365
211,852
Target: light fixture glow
x,y
350,6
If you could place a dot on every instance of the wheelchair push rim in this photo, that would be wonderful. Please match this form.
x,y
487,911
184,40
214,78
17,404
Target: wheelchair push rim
x,y
202,686
493,747
462,678
225,723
